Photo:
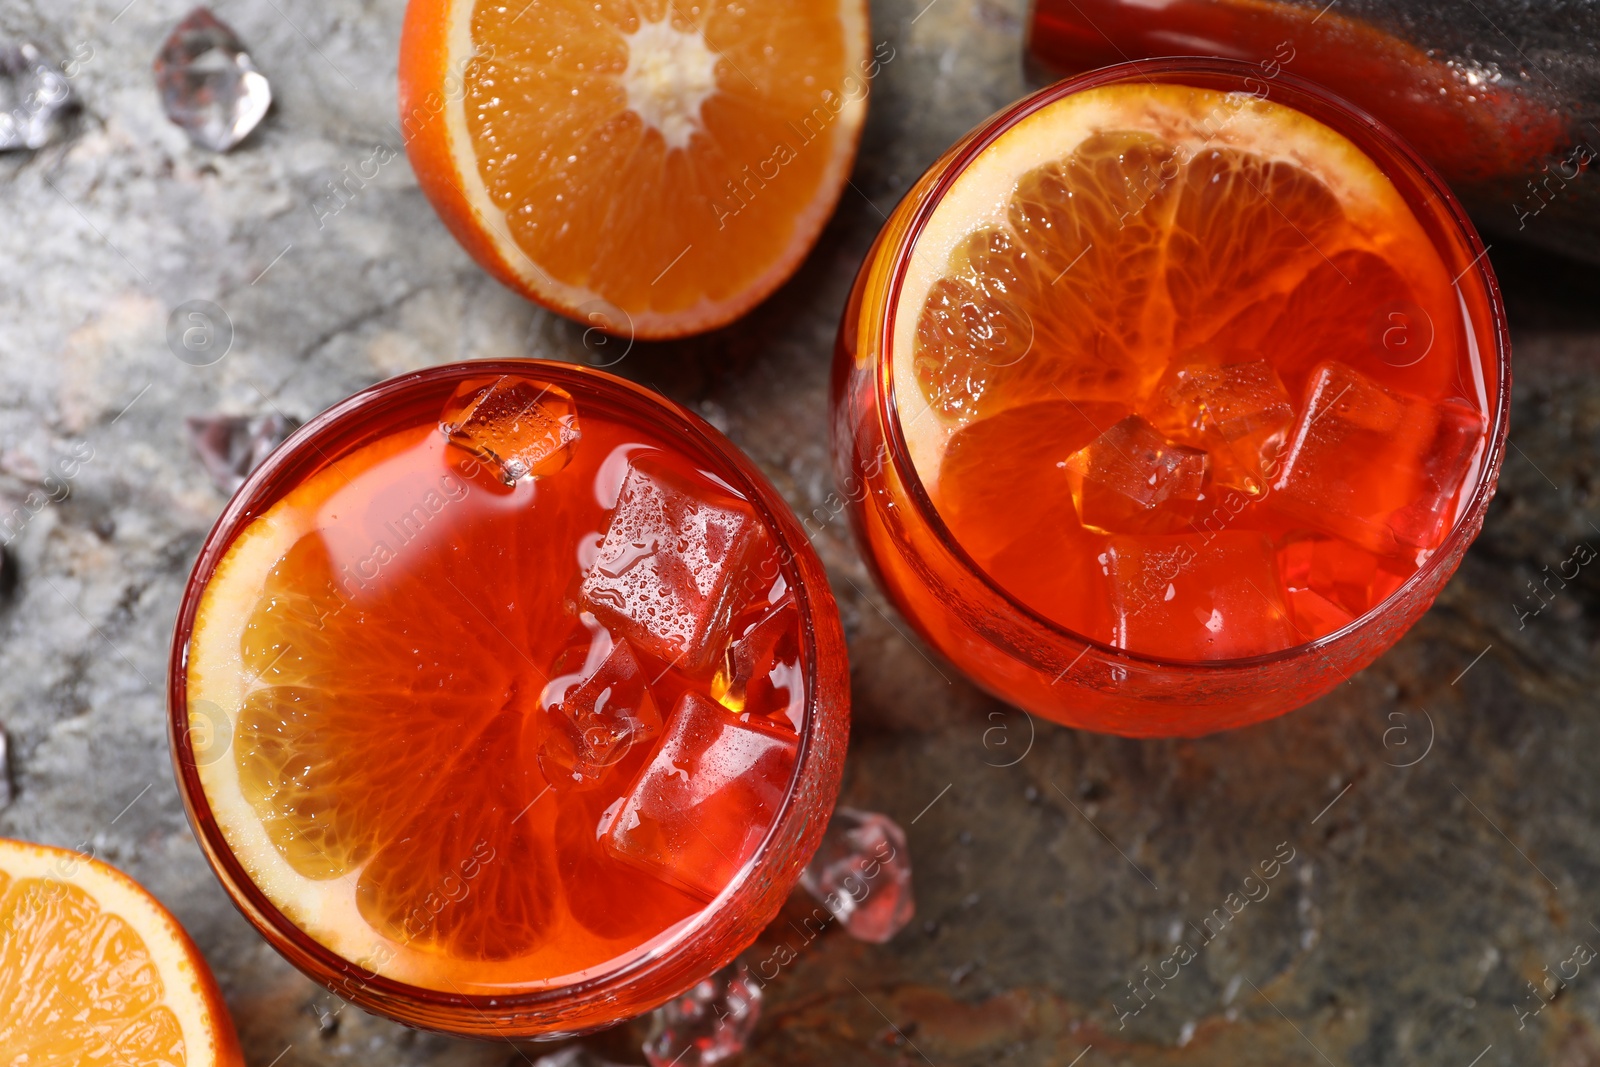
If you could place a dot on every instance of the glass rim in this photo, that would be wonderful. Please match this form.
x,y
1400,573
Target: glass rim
x,y
1360,124
715,917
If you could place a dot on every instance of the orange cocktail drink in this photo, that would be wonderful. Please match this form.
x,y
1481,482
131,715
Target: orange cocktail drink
x,y
1171,397
508,697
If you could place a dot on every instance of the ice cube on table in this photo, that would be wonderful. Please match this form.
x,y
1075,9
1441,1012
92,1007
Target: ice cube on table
x,y
521,427
1188,598
229,447
862,874
671,567
1131,479
760,674
1372,465
1239,413
702,806
597,722
710,1023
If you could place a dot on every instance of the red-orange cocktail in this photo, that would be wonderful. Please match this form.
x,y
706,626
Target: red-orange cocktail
x,y
1170,397
508,697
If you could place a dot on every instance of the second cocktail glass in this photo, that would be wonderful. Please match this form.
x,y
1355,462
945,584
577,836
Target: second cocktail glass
x,y
1171,397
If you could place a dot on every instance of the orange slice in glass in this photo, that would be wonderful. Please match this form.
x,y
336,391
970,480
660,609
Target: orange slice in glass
x,y
654,168
1122,228
93,971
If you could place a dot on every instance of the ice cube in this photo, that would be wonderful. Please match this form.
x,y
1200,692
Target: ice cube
x,y
862,874
575,1056
760,674
667,576
5,770
36,98
520,427
1238,413
1191,598
710,1023
1456,444
1314,615
229,447
210,86
1344,574
1056,572
1131,479
704,803
597,722
607,897
1372,465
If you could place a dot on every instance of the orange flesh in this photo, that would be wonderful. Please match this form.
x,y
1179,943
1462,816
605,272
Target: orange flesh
x,y
1208,293
78,985
407,650
634,207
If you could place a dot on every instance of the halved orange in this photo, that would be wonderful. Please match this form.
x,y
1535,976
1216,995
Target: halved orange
x,y
649,166
94,971
1124,227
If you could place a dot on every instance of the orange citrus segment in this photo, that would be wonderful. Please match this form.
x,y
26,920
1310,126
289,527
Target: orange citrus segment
x,y
94,971
299,671
670,161
1122,229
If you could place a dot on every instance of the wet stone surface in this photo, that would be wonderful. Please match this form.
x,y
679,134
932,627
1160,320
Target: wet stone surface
x,y
1379,875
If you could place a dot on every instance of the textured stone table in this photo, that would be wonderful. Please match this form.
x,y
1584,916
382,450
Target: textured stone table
x,y
1419,902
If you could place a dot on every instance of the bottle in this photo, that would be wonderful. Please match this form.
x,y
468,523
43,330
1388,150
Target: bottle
x,y
1499,96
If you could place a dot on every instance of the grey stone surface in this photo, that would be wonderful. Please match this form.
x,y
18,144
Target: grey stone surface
x,y
1419,901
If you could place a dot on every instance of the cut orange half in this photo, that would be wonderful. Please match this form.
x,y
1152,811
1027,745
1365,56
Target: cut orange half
x,y
1123,229
649,166
94,971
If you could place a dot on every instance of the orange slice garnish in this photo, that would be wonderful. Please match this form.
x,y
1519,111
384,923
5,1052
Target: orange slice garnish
x,y
1123,229
651,167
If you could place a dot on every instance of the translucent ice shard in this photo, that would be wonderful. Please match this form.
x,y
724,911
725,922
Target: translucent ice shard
x,y
209,84
706,801
520,427
862,874
35,98
229,447
667,574
710,1023
1131,479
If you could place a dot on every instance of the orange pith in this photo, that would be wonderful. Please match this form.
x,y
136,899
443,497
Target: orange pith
x,y
1117,253
651,167
94,971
